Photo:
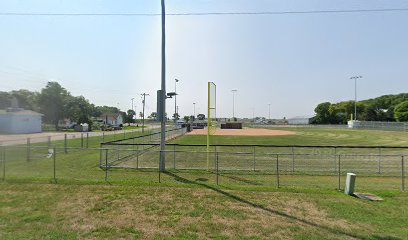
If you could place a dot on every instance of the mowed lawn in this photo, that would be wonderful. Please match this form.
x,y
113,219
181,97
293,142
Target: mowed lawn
x,y
188,205
311,136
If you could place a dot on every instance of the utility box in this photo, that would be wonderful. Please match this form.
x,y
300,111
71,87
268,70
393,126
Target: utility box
x,y
350,182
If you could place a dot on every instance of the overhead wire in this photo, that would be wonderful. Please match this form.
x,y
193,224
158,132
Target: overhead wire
x,y
378,10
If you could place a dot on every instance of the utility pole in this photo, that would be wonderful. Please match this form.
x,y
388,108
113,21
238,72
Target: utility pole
x,y
143,113
233,102
355,95
132,108
162,166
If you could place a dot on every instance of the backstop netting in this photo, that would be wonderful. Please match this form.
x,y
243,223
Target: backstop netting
x,y
211,116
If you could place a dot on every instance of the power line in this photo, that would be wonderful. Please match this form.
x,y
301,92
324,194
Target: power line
x,y
205,13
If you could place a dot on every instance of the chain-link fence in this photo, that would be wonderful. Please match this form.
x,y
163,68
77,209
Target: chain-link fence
x,y
261,167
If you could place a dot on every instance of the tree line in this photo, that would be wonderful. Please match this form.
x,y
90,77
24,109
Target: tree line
x,y
387,108
56,103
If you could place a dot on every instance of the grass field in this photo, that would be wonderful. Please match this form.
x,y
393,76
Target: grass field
x,y
189,205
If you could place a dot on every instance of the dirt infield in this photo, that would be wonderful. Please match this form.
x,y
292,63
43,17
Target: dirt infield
x,y
243,132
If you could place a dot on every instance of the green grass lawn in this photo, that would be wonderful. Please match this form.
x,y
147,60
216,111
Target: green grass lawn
x,y
188,204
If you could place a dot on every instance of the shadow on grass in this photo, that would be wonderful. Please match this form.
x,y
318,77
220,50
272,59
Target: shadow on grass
x,y
240,179
266,209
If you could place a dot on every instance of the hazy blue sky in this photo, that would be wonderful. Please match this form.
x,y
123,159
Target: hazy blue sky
x,y
292,61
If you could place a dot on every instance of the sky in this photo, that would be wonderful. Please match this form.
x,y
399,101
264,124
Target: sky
x,y
291,61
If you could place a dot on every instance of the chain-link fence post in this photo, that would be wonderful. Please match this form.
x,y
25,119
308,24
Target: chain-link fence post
x,y
335,160
402,174
254,161
54,160
103,136
106,165
4,163
379,160
293,159
161,151
65,143
82,140
87,140
100,155
339,174
137,156
216,169
277,171
174,159
28,149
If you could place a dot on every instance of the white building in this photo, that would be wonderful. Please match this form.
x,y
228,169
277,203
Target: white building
x,y
114,119
304,120
19,121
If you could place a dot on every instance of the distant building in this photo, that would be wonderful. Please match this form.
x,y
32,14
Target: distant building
x,y
19,121
302,120
114,119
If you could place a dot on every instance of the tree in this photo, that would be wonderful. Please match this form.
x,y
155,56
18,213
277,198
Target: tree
x,y
323,115
51,101
79,110
25,98
5,100
176,116
401,112
129,117
201,116
152,115
186,118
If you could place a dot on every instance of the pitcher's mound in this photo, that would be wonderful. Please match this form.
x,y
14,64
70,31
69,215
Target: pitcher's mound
x,y
243,132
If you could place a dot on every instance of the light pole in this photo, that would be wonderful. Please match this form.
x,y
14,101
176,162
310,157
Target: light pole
x,y
175,100
143,113
194,110
355,95
269,114
233,102
253,115
162,166
132,108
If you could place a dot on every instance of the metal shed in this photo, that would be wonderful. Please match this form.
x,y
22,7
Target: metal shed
x,y
19,121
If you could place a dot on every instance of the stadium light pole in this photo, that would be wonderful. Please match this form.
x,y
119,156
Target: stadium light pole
x,y
355,95
162,166
143,113
194,109
233,102
175,100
